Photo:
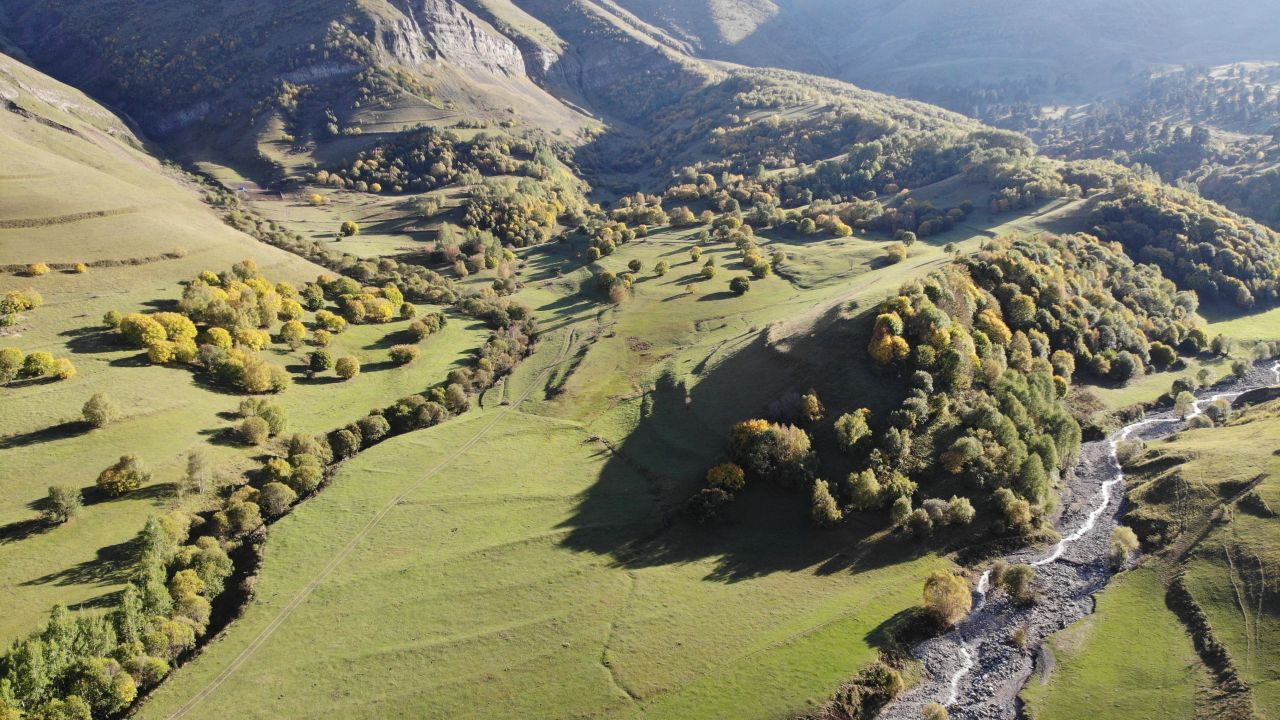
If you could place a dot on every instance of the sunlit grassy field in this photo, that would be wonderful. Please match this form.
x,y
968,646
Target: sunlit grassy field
x,y
533,567
54,190
506,575
1131,660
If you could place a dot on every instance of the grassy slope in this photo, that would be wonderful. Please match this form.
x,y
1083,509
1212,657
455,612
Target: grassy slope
x,y
51,172
470,576
537,573
1231,572
1131,660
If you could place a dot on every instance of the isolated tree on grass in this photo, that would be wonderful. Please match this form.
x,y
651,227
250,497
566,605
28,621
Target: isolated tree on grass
x,y
11,361
895,253
319,361
404,354
293,333
195,479
99,411
661,268
127,475
740,285
63,503
1124,543
349,228
347,367
39,364
947,596
63,369
277,423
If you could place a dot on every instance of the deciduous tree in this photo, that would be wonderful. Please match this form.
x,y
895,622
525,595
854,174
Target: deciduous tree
x,y
947,596
99,411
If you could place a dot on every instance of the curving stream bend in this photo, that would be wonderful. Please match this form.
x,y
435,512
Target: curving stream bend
x,y
974,670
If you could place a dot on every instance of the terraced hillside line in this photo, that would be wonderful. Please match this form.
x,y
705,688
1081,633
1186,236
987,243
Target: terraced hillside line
x,y
347,549
37,222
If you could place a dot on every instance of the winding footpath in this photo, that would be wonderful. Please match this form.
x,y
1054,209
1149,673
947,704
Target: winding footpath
x,y
975,671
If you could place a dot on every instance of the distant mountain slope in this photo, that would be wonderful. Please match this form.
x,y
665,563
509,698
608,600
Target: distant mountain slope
x,y
897,44
267,81
1217,128
618,90
177,67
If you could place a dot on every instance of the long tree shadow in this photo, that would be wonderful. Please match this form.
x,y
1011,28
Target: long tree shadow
x,y
904,630
93,495
379,366
391,339
133,361
111,565
22,529
222,436
61,431
105,601
318,380
31,382
90,340
634,512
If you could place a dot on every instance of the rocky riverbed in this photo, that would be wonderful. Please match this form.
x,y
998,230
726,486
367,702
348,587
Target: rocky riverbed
x,y
976,670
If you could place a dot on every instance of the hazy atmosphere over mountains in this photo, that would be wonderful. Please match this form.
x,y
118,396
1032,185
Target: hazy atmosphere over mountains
x,y
636,358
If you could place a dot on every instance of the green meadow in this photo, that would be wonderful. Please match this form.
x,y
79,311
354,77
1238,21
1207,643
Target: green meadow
x,y
532,554
1132,659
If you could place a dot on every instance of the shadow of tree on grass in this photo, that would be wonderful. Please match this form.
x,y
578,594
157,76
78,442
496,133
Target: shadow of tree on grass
x,y
634,512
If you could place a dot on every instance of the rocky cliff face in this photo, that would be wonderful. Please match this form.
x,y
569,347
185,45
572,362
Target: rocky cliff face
x,y
445,30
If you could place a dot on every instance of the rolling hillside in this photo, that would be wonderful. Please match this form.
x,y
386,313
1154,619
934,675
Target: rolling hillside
x,y
563,357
